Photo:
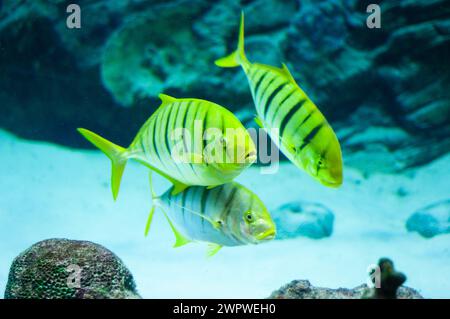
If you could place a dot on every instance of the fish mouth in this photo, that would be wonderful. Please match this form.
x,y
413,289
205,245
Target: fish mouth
x,y
267,235
330,181
333,184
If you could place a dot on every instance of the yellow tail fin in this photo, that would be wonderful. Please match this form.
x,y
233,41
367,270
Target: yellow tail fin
x,y
238,57
116,154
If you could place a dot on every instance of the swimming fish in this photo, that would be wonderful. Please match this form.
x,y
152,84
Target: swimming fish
x,y
226,215
188,141
303,134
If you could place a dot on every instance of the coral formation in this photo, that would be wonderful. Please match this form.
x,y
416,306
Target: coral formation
x,y
49,269
389,282
390,288
302,289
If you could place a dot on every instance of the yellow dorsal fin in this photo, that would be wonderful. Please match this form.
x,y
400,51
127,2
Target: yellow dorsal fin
x,y
166,99
237,57
286,71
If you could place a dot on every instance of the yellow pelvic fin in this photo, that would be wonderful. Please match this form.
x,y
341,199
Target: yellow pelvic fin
x,y
180,239
152,211
212,249
117,155
149,221
238,57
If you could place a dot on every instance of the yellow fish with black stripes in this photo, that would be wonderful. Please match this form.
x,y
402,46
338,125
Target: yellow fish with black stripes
x,y
188,141
228,215
303,135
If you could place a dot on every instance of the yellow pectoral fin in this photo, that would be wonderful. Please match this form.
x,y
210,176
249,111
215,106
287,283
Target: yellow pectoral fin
x,y
212,249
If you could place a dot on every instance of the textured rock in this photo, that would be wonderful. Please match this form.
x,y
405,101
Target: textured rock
x,y
302,289
431,220
43,271
389,284
385,91
303,219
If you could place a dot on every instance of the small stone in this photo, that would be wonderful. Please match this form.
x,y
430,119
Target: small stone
x,y
431,220
306,219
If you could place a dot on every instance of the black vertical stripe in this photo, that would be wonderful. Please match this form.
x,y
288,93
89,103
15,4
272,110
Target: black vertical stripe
x,y
308,138
204,197
290,114
219,191
143,147
271,97
259,83
192,151
165,148
307,118
253,76
193,128
274,116
183,125
204,128
229,201
183,203
168,129
154,141
267,87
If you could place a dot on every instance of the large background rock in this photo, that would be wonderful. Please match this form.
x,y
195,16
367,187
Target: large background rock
x,y
43,272
385,91
302,289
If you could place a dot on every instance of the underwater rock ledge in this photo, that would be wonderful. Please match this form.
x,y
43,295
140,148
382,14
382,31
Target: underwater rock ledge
x,y
69,269
387,284
302,289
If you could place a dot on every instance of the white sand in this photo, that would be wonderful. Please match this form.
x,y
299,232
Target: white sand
x,y
48,191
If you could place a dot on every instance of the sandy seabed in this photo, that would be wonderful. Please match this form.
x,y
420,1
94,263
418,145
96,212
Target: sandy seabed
x,y
49,191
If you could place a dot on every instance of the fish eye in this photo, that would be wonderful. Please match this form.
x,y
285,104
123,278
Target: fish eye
x,y
249,216
320,162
